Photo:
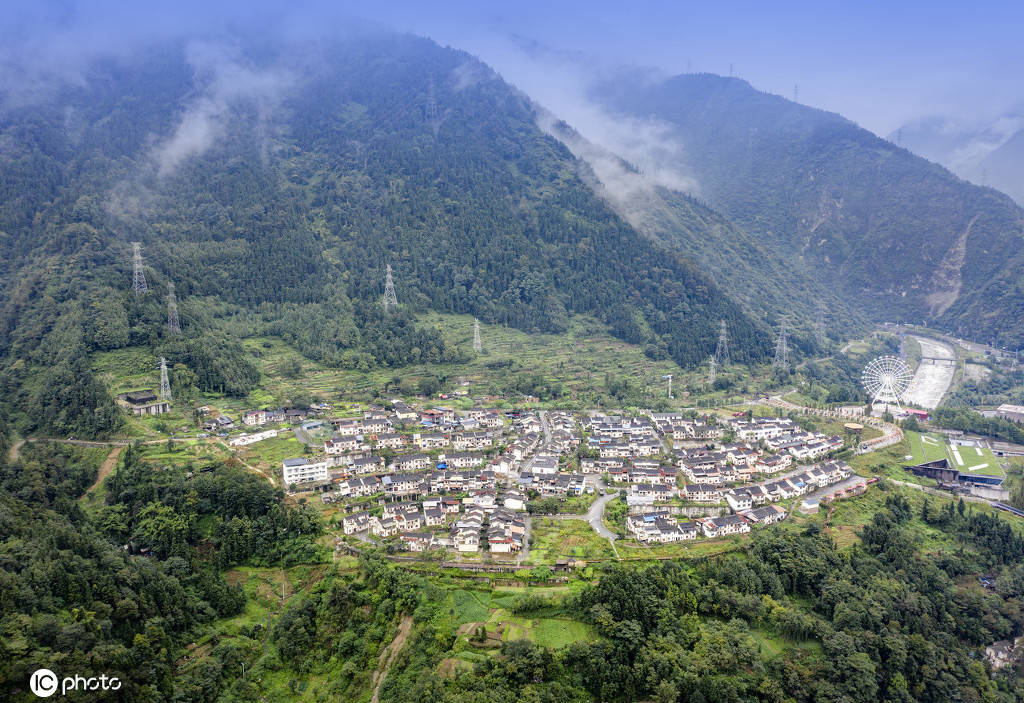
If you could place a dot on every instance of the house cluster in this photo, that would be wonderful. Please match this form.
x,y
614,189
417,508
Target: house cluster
x,y
441,438
465,524
752,505
292,416
658,526
503,529
764,446
687,431
449,488
542,469
746,496
616,437
782,435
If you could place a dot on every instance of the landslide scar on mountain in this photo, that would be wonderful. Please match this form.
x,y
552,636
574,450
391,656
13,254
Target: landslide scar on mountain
x,y
947,280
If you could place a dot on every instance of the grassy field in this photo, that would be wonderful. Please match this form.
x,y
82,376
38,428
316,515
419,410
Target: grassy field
x,y
632,550
268,454
926,446
889,462
581,361
975,460
489,609
849,516
562,539
971,460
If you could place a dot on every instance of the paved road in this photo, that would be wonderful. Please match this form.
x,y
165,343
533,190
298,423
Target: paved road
x,y
818,493
932,380
544,425
595,516
942,494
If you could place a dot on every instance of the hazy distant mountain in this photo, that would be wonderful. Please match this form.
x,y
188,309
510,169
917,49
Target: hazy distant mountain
x,y
991,154
1003,167
899,236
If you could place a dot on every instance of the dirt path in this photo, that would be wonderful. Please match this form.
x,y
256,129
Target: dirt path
x,y
105,468
15,451
389,654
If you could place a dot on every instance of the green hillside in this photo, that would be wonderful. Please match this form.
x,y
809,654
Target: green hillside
x,y
902,237
328,166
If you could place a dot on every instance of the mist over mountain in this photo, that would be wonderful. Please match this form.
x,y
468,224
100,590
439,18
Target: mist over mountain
x,y
903,237
988,154
272,184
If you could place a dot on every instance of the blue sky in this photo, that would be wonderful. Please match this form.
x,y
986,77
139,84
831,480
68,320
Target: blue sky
x,y
879,64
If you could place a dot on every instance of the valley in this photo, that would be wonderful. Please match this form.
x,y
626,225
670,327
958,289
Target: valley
x,y
934,375
337,364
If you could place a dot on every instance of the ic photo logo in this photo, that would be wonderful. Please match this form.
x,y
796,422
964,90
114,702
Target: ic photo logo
x,y
44,683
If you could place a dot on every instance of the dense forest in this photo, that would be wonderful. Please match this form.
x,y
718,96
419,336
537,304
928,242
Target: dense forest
x,y
122,588
120,592
903,237
333,167
885,621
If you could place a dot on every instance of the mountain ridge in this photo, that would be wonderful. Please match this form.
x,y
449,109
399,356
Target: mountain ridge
x,y
278,205
872,218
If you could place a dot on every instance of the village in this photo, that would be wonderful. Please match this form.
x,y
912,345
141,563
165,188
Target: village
x,y
464,484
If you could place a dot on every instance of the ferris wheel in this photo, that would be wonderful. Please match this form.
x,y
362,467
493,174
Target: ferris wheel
x,y
886,379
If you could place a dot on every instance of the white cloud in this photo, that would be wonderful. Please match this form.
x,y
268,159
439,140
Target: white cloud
x,y
226,83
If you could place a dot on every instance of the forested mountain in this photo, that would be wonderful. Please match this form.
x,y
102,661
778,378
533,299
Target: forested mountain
x,y
902,237
273,187
1003,167
989,154
760,277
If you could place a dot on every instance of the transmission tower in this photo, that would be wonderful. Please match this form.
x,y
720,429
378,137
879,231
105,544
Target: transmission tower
x,y
173,325
712,371
390,299
477,346
722,351
435,123
668,377
165,384
138,275
819,326
781,361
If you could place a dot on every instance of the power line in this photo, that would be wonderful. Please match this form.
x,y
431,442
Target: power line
x,y
432,113
781,360
712,371
722,350
138,275
165,383
390,299
173,324
819,326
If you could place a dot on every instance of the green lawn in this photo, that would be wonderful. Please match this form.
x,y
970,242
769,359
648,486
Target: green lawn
x,y
269,453
693,549
975,460
562,539
926,446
